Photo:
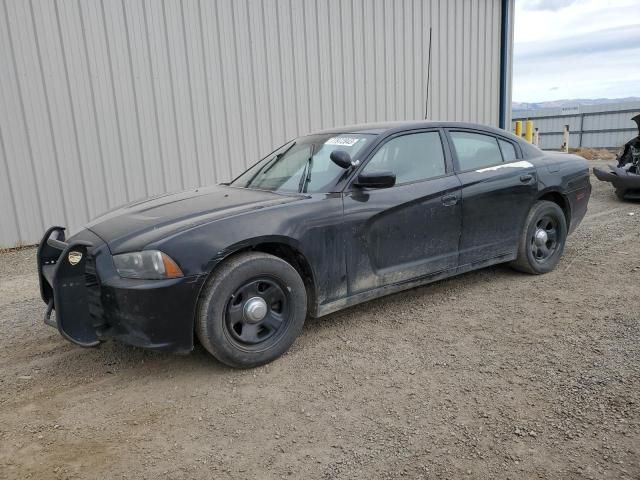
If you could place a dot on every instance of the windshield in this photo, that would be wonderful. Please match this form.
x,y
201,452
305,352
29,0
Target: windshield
x,y
303,165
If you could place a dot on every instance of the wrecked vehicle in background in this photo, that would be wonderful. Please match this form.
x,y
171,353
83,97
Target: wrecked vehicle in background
x,y
625,177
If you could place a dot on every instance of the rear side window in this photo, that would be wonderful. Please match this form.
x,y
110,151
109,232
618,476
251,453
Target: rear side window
x,y
475,150
508,150
413,157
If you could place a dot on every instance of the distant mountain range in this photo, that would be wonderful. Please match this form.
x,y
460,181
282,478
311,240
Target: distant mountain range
x,y
570,103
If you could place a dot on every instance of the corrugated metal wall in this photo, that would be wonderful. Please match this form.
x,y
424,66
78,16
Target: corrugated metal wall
x,y
593,126
106,101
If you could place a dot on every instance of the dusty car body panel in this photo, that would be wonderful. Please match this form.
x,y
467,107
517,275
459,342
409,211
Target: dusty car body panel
x,y
311,226
96,303
386,237
139,224
350,244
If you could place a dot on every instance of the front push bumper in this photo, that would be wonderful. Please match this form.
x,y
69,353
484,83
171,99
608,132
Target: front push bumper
x,y
92,303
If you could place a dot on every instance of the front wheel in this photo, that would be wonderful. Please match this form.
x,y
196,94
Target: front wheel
x,y
251,310
543,239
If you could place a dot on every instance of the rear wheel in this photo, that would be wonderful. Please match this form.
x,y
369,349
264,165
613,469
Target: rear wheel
x,y
543,239
252,309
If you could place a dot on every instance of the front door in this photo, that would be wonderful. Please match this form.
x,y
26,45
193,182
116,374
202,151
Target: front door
x,y
408,231
498,189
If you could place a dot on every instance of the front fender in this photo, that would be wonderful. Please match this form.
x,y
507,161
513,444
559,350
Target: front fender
x,y
312,227
252,243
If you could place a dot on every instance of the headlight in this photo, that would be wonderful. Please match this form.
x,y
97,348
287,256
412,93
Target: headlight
x,y
148,265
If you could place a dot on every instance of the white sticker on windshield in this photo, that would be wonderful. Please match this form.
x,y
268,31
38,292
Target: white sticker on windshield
x,y
342,141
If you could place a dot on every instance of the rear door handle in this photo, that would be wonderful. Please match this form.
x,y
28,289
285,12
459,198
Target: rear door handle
x,y
526,178
449,200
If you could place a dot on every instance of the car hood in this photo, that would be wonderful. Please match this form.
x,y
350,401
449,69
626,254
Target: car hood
x,y
140,223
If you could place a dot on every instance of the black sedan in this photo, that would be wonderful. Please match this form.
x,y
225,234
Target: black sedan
x,y
326,221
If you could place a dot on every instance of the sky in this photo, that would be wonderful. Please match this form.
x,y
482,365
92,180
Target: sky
x,y
576,49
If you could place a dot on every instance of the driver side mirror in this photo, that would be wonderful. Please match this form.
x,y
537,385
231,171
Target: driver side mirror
x,y
376,180
342,159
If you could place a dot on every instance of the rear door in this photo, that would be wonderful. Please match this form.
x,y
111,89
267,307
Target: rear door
x,y
498,188
410,230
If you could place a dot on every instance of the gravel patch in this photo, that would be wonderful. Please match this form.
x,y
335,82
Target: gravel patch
x,y
493,374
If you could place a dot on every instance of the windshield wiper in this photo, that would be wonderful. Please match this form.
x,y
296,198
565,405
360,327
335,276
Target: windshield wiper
x,y
268,165
306,175
278,157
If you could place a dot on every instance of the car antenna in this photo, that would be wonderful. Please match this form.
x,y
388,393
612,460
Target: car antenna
x,y
426,107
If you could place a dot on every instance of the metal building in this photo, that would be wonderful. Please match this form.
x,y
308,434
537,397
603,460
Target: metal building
x,y
594,126
106,101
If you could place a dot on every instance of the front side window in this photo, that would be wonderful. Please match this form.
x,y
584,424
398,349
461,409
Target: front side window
x,y
303,165
475,150
413,157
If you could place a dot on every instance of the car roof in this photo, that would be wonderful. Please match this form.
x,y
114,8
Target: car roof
x,y
399,126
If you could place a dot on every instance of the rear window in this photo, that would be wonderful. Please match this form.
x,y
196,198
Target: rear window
x,y
508,151
475,150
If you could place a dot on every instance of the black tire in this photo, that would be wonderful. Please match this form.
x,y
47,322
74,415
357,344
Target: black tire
x,y
535,255
223,323
620,193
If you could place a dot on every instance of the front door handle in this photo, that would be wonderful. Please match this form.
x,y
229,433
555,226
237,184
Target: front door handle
x,y
526,178
449,200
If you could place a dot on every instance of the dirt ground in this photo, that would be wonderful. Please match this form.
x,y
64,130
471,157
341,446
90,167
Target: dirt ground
x,y
493,374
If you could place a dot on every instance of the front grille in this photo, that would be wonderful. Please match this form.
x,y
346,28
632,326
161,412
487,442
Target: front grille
x,y
90,274
92,282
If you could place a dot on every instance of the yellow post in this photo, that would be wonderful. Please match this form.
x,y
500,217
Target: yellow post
x,y
528,132
518,128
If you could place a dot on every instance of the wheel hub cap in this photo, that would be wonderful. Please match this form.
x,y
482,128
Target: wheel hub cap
x,y
255,309
541,237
